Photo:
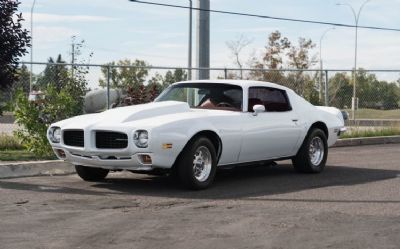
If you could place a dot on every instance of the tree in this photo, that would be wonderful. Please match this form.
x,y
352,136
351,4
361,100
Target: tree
x,y
13,41
280,52
160,82
236,47
301,82
272,59
375,94
340,90
21,84
371,93
169,78
130,74
64,92
299,56
275,50
56,75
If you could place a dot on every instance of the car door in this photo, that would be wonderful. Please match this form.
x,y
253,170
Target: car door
x,y
270,134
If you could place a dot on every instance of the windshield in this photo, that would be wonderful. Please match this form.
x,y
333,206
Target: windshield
x,y
205,95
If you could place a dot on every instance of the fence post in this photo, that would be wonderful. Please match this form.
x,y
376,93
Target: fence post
x,y
108,86
326,88
226,73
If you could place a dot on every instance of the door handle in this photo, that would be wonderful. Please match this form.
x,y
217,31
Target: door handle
x,y
295,120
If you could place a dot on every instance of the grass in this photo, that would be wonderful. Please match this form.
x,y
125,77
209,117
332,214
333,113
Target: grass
x,y
376,114
9,142
21,155
355,132
12,150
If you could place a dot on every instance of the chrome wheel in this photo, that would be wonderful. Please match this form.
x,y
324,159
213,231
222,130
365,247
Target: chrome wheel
x,y
316,151
202,164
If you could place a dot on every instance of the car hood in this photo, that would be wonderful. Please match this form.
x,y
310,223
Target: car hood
x,y
126,115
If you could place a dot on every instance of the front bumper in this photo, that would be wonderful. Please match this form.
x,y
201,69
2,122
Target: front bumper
x,y
105,160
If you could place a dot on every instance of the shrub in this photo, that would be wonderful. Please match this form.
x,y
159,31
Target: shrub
x,y
34,118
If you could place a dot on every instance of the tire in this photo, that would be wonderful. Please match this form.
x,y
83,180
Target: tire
x,y
91,174
308,159
201,175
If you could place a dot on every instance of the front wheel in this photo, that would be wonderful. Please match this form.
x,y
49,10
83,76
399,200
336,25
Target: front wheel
x,y
91,174
312,155
197,164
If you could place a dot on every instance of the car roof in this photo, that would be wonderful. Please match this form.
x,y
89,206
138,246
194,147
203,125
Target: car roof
x,y
242,83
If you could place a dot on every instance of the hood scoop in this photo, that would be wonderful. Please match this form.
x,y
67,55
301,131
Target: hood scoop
x,y
137,112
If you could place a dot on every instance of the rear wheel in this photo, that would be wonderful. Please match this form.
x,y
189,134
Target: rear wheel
x,y
197,164
91,174
312,155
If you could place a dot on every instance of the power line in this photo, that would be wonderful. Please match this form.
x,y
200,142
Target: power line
x,y
267,17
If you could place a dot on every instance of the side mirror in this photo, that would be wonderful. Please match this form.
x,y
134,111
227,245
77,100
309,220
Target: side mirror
x,y
258,109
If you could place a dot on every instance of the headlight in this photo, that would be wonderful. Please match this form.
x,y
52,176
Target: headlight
x,y
55,134
141,138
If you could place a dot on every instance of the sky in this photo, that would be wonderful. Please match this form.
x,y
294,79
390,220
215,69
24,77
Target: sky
x,y
120,29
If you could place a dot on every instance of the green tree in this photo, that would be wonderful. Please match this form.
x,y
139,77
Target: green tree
x,y
376,94
340,90
22,83
56,75
13,41
23,80
371,92
169,78
131,74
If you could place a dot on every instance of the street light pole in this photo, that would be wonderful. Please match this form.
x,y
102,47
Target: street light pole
x,y
30,75
320,68
190,40
356,20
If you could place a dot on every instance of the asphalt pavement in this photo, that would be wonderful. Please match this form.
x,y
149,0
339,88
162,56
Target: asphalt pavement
x,y
354,203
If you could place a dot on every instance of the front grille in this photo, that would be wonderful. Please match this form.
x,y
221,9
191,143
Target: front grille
x,y
111,140
74,138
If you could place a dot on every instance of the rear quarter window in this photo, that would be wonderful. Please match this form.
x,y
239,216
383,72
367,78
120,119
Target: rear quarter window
x,y
274,100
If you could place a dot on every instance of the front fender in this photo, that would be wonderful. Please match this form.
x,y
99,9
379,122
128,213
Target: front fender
x,y
177,135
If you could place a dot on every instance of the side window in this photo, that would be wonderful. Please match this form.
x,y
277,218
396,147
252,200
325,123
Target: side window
x,y
274,100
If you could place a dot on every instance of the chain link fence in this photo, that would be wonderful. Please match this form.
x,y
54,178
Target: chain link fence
x,y
107,86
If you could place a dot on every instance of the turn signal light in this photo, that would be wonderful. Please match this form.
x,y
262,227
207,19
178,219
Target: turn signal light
x,y
146,159
61,153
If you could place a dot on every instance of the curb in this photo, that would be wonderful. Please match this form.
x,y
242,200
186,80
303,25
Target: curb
x,y
39,168
367,141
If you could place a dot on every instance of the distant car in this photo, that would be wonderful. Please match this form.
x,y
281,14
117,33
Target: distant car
x,y
194,127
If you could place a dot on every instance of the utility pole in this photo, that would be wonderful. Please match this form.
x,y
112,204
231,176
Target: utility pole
x,y
203,39
72,57
190,40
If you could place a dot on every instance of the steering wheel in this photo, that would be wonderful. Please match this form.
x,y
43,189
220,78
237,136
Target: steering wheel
x,y
225,104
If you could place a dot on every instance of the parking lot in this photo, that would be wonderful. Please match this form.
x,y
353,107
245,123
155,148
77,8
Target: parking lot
x,y
355,203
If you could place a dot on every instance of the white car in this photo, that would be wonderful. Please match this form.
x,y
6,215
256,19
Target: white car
x,y
194,127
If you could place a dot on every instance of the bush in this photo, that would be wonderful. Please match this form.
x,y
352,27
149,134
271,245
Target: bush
x,y
35,117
